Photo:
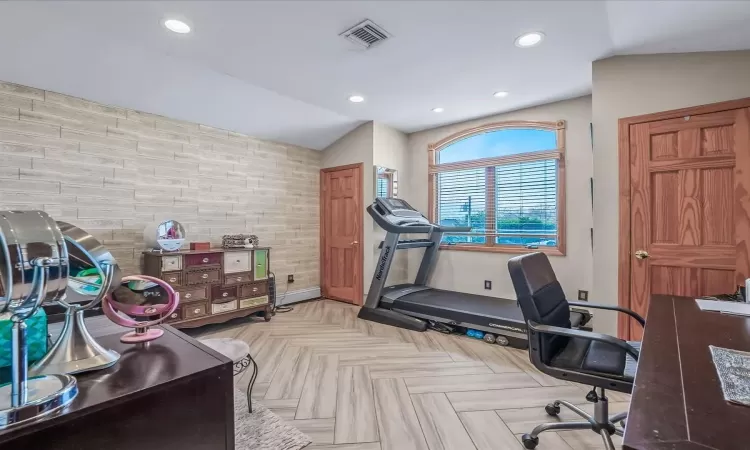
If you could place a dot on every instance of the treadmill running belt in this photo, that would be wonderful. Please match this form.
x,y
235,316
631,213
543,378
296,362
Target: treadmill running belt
x,y
469,308
461,307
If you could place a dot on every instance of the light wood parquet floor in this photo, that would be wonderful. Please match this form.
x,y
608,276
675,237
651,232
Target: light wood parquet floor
x,y
356,385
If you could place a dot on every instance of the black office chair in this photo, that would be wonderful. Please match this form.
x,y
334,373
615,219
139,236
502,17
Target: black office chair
x,y
595,359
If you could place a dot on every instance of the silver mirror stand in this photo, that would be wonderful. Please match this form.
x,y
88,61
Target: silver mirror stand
x,y
36,397
75,350
31,244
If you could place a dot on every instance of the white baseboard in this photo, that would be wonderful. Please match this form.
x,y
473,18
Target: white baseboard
x,y
298,296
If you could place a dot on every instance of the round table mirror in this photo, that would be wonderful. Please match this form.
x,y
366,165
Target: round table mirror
x,y
89,263
139,297
93,273
33,270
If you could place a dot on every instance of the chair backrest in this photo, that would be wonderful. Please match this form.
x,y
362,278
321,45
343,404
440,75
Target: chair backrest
x,y
541,298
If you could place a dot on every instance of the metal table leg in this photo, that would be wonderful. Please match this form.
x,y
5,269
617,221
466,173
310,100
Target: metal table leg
x,y
251,383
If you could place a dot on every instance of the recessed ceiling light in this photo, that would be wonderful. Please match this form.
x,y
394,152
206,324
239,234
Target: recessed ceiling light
x,y
437,110
177,26
356,99
500,94
529,39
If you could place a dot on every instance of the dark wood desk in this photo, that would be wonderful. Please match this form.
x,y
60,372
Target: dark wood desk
x,y
677,401
172,393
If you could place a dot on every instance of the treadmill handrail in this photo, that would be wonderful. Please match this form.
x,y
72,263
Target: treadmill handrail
x,y
393,228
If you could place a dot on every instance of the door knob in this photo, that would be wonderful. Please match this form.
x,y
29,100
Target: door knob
x,y
355,243
641,254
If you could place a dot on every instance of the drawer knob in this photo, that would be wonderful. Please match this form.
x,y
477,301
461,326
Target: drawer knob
x,y
172,280
239,278
204,276
188,295
237,261
173,316
225,294
196,311
255,289
205,260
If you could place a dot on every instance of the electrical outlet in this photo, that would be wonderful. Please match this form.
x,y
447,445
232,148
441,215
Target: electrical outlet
x,y
583,296
290,278
488,284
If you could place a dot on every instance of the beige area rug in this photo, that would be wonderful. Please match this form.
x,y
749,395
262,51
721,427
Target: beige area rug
x,y
263,429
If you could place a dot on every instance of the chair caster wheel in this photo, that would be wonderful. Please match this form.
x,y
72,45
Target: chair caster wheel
x,y
529,442
552,409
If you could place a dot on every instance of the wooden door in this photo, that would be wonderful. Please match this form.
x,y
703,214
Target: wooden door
x,y
341,233
689,207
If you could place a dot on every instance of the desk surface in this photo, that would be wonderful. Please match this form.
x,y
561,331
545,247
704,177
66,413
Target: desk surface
x,y
677,401
143,368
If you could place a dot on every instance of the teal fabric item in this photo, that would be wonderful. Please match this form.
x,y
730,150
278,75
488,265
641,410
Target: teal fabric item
x,y
36,337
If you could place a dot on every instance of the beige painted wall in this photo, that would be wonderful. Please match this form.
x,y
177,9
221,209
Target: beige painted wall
x,y
466,271
112,171
390,149
356,147
632,85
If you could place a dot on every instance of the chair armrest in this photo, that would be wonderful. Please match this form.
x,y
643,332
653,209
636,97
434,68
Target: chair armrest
x,y
632,314
589,335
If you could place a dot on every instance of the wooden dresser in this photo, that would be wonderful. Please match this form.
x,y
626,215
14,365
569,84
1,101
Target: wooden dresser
x,y
214,285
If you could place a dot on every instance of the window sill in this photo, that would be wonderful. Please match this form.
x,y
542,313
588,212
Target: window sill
x,y
552,251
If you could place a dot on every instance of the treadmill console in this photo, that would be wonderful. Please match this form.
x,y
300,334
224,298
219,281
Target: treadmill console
x,y
399,212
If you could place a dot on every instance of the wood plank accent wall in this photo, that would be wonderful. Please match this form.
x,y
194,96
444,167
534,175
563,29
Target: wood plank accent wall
x,y
112,170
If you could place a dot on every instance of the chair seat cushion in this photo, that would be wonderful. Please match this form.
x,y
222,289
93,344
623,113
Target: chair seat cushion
x,y
592,357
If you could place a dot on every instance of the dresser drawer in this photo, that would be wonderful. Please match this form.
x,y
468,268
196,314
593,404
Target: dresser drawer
x,y
255,301
173,278
237,261
221,294
236,278
217,308
260,264
203,277
202,259
194,310
169,263
193,294
253,290
175,316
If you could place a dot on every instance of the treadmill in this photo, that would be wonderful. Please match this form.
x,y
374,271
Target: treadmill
x,y
411,305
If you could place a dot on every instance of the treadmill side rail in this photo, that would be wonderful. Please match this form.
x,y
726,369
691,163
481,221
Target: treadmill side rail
x,y
393,293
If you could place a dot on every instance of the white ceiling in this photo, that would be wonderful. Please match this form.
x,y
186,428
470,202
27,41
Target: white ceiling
x,y
279,70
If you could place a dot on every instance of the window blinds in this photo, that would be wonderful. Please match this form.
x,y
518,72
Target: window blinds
x,y
509,204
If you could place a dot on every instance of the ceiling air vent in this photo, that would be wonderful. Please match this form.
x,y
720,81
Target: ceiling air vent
x,y
366,34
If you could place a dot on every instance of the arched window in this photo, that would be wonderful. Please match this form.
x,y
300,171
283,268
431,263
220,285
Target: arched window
x,y
506,181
